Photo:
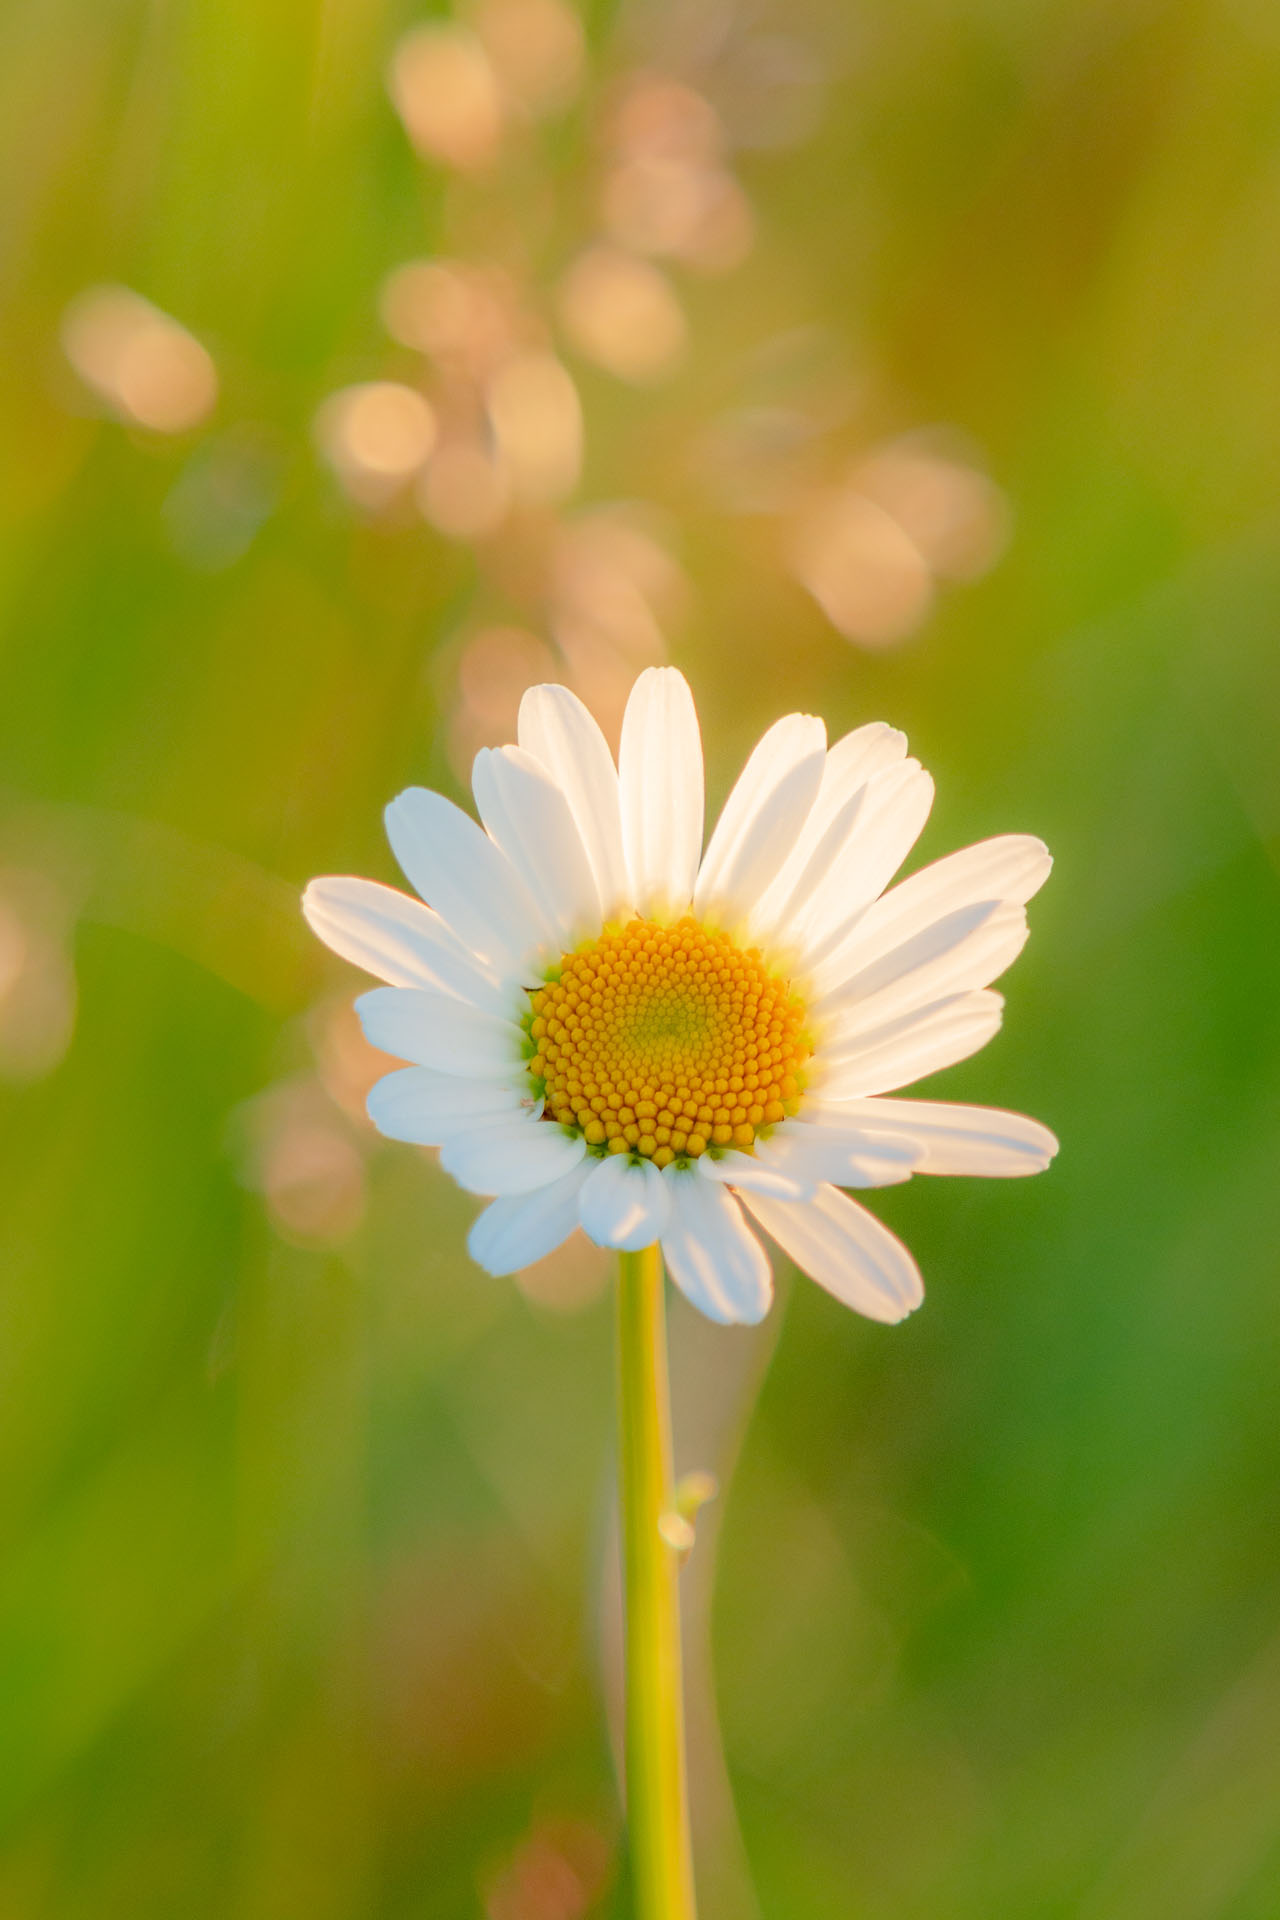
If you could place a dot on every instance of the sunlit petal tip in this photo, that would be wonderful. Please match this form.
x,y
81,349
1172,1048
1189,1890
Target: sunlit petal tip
x,y
558,730
661,790
846,1250
712,1254
518,1229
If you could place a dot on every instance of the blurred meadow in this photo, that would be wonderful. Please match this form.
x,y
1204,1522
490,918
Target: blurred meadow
x,y
362,366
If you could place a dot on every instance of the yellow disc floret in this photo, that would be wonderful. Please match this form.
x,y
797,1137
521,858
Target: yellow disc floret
x,y
666,1040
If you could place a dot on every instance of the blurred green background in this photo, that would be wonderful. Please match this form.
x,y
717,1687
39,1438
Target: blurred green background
x,y
302,1610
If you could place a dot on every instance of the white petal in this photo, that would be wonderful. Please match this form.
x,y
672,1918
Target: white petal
x,y
511,1156
846,1250
1011,867
899,1051
625,1204
520,1228
783,908
470,882
557,729
525,812
711,1253
759,1175
845,1154
852,761
849,765
660,775
985,1141
428,1108
962,951
434,1031
886,828
399,940
762,817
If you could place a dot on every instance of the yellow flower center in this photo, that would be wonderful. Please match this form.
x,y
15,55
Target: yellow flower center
x,y
666,1040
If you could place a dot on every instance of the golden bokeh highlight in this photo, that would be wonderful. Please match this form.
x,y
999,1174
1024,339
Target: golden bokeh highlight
x,y
376,437
38,994
463,315
667,190
443,86
622,313
536,418
865,572
466,489
955,514
667,1040
141,362
537,50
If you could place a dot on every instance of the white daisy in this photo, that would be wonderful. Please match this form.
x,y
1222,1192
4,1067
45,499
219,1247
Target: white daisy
x,y
609,1028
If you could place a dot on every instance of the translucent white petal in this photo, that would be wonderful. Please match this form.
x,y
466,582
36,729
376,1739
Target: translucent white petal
x,y
469,881
557,729
754,1171
711,1253
849,765
962,951
660,776
782,908
985,1141
886,828
846,1155
903,1050
1011,867
428,1108
520,1228
399,940
525,812
434,1031
625,1203
511,1156
762,817
846,1250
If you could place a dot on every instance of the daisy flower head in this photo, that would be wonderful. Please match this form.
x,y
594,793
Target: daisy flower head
x,y
608,1027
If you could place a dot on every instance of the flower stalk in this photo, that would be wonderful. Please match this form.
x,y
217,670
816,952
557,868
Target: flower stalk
x,y
657,1798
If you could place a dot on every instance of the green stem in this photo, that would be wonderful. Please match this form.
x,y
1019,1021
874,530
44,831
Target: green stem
x,y
657,1803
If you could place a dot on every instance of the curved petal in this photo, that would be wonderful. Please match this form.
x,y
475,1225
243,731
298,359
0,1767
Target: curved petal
x,y
525,812
762,817
782,908
844,1155
660,777
917,1043
556,728
755,1173
469,881
849,765
960,952
625,1204
511,1156
985,1141
1011,867
428,1108
711,1252
846,1250
398,939
887,826
520,1228
432,1030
